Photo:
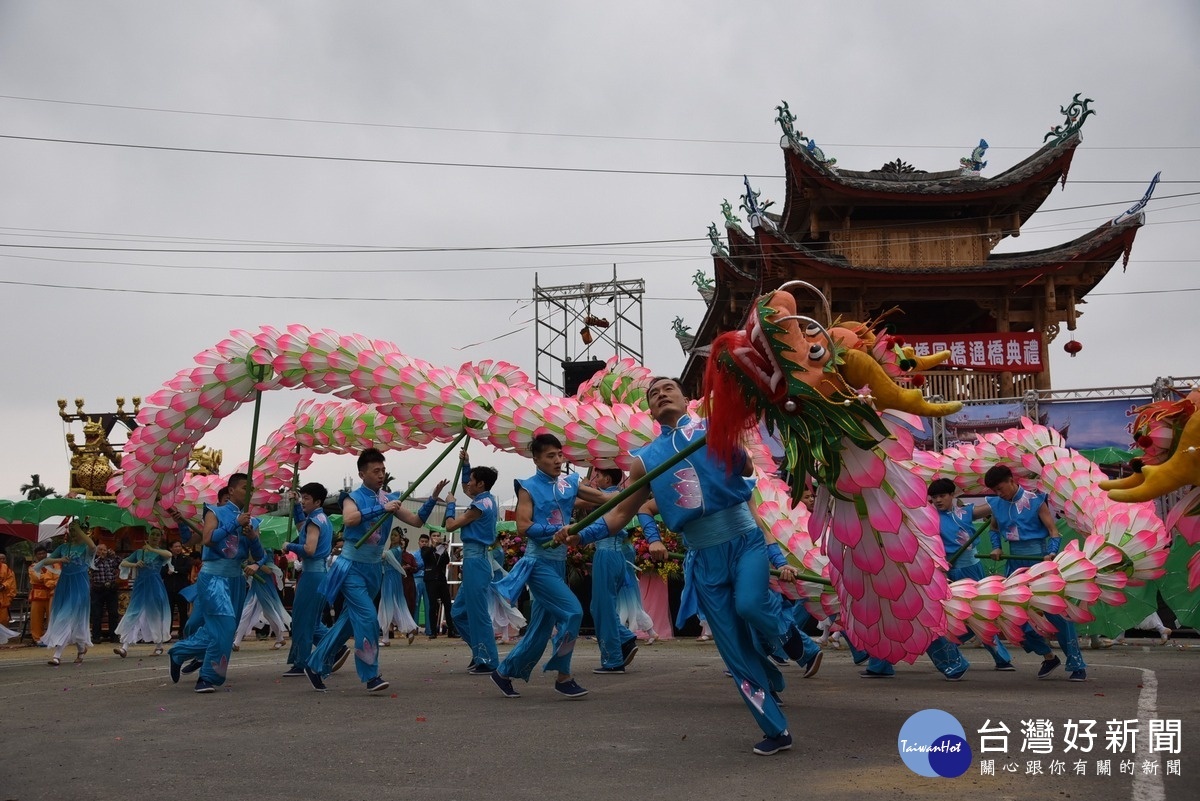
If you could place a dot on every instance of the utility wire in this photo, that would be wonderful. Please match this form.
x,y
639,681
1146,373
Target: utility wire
x,y
422,163
360,123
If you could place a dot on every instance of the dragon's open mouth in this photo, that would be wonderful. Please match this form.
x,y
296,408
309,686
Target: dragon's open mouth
x,y
756,357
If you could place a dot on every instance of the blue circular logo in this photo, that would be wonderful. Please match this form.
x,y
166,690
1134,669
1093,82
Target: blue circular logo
x,y
933,743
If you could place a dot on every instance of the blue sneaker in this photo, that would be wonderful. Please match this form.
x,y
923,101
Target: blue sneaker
x,y
1006,667
176,670
480,670
1049,666
377,685
870,674
603,671
957,675
777,659
191,667
569,688
773,745
505,685
1078,675
339,659
314,678
203,686
629,650
812,664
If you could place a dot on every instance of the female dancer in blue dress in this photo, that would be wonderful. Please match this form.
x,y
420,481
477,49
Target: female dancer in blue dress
x,y
148,616
71,609
263,605
393,608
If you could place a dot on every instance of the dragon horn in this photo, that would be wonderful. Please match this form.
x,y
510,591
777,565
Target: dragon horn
x,y
824,300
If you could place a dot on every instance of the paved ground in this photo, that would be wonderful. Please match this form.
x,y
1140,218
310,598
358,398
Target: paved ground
x,y
672,728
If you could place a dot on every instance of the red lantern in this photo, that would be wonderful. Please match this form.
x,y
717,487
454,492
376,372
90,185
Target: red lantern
x,y
1073,347
918,380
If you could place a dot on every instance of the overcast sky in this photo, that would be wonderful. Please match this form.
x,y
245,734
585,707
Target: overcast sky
x,y
599,89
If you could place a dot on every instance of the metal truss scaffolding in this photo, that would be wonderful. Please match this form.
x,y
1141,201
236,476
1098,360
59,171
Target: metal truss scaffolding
x,y
581,323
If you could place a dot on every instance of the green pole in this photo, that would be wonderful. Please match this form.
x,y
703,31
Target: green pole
x,y
295,494
809,577
969,543
412,488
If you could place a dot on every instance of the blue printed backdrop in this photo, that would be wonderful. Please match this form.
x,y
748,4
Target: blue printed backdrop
x,y
1092,424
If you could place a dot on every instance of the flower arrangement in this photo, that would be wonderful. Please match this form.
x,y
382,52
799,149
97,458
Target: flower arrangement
x,y
579,563
514,547
673,566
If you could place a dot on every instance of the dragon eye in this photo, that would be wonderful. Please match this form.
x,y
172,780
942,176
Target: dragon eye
x,y
816,352
812,330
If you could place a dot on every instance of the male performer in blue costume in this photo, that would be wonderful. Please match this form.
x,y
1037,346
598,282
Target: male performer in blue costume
x,y
1026,522
545,502
229,536
706,503
357,573
477,525
957,528
618,644
312,548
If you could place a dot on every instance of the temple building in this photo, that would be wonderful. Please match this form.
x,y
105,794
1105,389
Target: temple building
x,y
921,241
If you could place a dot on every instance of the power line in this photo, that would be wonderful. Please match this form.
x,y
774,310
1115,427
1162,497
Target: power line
x,y
559,134
368,249
471,165
329,299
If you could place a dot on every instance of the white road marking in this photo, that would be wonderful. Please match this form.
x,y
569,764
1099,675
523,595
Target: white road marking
x,y
1146,787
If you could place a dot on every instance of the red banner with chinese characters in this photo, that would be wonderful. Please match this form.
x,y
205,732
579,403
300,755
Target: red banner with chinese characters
x,y
1001,352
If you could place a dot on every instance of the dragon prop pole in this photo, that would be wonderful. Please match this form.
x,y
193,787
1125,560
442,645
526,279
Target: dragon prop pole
x,y
810,578
454,484
295,495
967,545
412,487
259,372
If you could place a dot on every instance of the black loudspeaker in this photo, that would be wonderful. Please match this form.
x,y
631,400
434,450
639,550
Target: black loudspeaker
x,y
576,373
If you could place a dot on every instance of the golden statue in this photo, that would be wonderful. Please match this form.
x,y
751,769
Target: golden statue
x,y
205,461
93,462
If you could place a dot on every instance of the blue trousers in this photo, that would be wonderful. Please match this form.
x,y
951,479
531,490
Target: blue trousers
x,y
731,588
999,653
553,604
945,655
307,628
794,614
217,610
358,618
471,613
1035,643
608,576
423,603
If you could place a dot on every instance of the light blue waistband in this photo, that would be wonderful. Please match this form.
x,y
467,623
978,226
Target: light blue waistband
x,y
718,527
609,544
313,565
1030,549
535,551
472,549
228,568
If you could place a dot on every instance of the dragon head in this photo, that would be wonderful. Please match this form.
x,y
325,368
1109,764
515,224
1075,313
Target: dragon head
x,y
1168,431
816,387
